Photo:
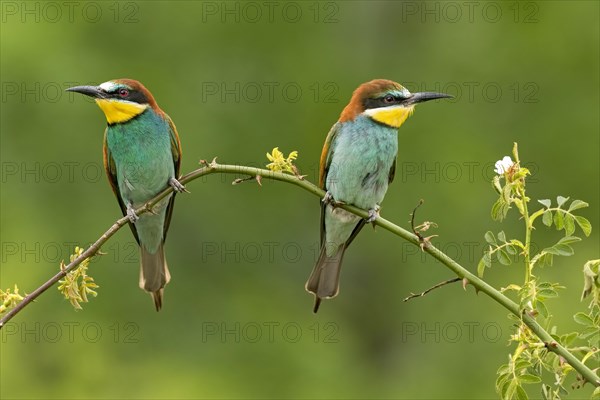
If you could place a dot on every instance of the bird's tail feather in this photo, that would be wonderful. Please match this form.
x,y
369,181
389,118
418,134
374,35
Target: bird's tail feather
x,y
324,281
154,274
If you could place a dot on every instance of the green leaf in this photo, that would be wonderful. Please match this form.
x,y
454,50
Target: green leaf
x,y
506,192
591,278
487,259
590,334
503,374
569,222
489,237
546,392
502,386
563,250
496,184
500,209
558,219
508,389
504,369
562,390
569,239
502,237
584,224
503,257
519,203
522,364
577,204
547,259
545,202
547,293
527,378
567,339
541,308
560,250
561,200
480,268
583,319
512,250
596,394
496,213
502,378
500,383
520,393
547,218
517,243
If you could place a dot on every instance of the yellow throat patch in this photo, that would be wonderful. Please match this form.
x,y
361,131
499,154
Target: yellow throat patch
x,y
391,116
117,111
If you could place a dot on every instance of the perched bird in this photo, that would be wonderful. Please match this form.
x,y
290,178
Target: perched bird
x,y
358,163
142,155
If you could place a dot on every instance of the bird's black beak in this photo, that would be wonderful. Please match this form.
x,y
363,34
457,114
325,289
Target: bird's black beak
x,y
92,91
426,96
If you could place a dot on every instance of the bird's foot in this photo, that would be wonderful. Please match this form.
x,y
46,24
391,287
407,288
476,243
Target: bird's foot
x,y
373,214
177,186
329,200
133,217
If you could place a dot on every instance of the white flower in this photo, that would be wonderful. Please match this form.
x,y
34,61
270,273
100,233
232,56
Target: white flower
x,y
503,165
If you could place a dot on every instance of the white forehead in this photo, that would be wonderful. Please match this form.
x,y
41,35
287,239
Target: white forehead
x,y
400,93
108,86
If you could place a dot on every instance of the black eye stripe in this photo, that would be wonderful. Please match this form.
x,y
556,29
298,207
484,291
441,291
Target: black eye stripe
x,y
383,101
132,95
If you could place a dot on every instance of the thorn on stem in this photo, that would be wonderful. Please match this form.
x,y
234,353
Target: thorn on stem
x,y
423,241
257,178
297,173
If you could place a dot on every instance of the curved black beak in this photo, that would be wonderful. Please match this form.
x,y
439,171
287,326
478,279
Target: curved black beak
x,y
92,91
426,96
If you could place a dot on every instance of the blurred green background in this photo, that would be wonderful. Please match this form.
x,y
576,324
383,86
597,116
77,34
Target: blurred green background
x,y
239,79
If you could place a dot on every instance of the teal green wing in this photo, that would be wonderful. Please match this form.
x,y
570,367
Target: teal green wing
x,y
326,155
175,146
111,173
392,173
324,165
176,153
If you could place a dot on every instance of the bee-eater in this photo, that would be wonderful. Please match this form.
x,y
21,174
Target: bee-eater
x,y
358,163
142,155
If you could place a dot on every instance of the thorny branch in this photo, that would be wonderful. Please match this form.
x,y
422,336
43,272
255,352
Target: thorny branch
x,y
415,238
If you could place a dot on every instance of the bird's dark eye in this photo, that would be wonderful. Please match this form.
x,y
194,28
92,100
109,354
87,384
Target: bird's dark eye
x,y
123,92
389,99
